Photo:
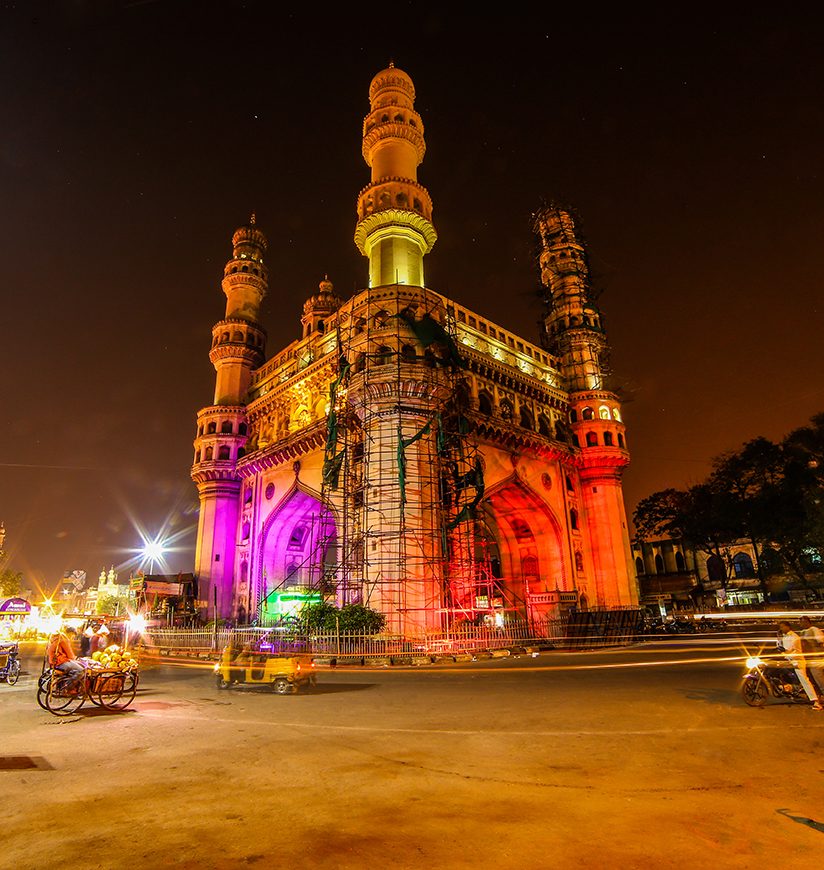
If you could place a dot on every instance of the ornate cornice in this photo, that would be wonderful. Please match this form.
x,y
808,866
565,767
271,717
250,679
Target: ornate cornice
x,y
514,438
234,350
392,130
305,441
397,217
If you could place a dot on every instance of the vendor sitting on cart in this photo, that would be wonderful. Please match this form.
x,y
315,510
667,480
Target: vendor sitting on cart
x,y
60,656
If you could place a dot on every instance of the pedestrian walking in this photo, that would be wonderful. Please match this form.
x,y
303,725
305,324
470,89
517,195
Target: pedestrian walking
x,y
812,642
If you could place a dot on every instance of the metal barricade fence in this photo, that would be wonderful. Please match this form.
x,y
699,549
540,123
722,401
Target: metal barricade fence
x,y
584,630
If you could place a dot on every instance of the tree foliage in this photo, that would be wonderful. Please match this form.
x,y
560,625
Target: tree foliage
x,y
11,583
325,618
771,494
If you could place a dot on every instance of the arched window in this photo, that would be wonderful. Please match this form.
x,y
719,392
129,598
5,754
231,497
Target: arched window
x,y
241,452
616,414
568,481
573,416
659,564
543,426
238,336
399,119
573,519
526,420
620,440
592,439
242,429
244,535
360,362
485,404
583,603
211,428
360,326
715,568
209,454
381,319
579,561
507,411
223,453
742,565
587,414
607,439
575,441
408,353
226,428
639,566
383,356
680,564
224,337
197,457
603,412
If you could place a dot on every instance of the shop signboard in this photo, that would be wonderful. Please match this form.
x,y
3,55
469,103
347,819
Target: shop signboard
x,y
15,607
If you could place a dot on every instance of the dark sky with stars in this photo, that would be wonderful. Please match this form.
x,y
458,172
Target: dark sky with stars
x,y
136,136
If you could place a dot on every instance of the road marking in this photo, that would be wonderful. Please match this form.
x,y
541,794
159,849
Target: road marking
x,y
641,732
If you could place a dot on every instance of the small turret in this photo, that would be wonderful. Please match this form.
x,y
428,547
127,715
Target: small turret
x,y
319,307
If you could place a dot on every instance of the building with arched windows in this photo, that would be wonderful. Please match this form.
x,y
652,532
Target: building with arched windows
x,y
406,452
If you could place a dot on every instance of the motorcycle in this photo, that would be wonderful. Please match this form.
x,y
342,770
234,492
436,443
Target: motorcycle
x,y
765,678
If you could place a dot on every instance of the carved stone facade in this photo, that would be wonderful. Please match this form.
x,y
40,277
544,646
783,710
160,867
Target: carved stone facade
x,y
406,452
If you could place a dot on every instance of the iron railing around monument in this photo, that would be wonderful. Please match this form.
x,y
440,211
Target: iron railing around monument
x,y
584,630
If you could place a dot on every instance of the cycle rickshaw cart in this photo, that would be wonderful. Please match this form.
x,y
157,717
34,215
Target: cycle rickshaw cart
x,y
9,663
108,688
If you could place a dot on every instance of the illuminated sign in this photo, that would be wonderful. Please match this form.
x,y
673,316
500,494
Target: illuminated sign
x,y
15,605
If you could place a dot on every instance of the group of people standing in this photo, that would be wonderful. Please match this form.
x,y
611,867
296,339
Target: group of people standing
x,y
805,651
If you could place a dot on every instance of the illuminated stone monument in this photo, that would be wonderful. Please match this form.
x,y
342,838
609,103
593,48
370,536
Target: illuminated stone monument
x,y
406,452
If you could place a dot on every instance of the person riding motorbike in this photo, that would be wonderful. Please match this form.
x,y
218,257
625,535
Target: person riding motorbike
x,y
790,644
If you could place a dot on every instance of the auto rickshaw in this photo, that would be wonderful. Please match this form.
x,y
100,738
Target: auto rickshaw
x,y
247,667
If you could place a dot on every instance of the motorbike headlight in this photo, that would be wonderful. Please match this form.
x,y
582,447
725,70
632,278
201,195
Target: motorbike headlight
x,y
753,662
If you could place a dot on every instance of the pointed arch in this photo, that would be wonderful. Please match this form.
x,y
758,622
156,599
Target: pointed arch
x,y
530,541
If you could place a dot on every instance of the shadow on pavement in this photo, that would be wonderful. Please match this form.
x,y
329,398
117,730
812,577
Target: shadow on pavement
x,y
724,697
333,688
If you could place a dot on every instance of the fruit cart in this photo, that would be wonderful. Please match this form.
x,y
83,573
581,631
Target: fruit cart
x,y
110,681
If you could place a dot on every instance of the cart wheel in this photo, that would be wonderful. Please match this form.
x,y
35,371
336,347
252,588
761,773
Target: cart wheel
x,y
43,688
754,692
122,697
282,687
14,673
62,700
220,682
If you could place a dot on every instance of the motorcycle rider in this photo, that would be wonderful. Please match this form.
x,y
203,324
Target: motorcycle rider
x,y
790,644
812,641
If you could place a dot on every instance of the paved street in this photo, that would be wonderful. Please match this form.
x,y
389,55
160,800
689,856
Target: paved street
x,y
643,757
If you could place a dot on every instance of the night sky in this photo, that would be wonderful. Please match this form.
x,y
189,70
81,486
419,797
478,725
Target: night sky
x,y
135,137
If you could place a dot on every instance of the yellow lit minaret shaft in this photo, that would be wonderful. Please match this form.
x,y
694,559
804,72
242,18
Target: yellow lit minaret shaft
x,y
394,227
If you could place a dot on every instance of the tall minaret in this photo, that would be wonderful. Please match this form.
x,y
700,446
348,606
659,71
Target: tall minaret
x,y
574,334
238,346
394,227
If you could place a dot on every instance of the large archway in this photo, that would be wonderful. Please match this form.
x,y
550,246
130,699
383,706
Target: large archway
x,y
297,554
528,544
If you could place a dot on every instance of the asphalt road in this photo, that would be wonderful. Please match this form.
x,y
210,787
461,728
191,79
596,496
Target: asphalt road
x,y
640,757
